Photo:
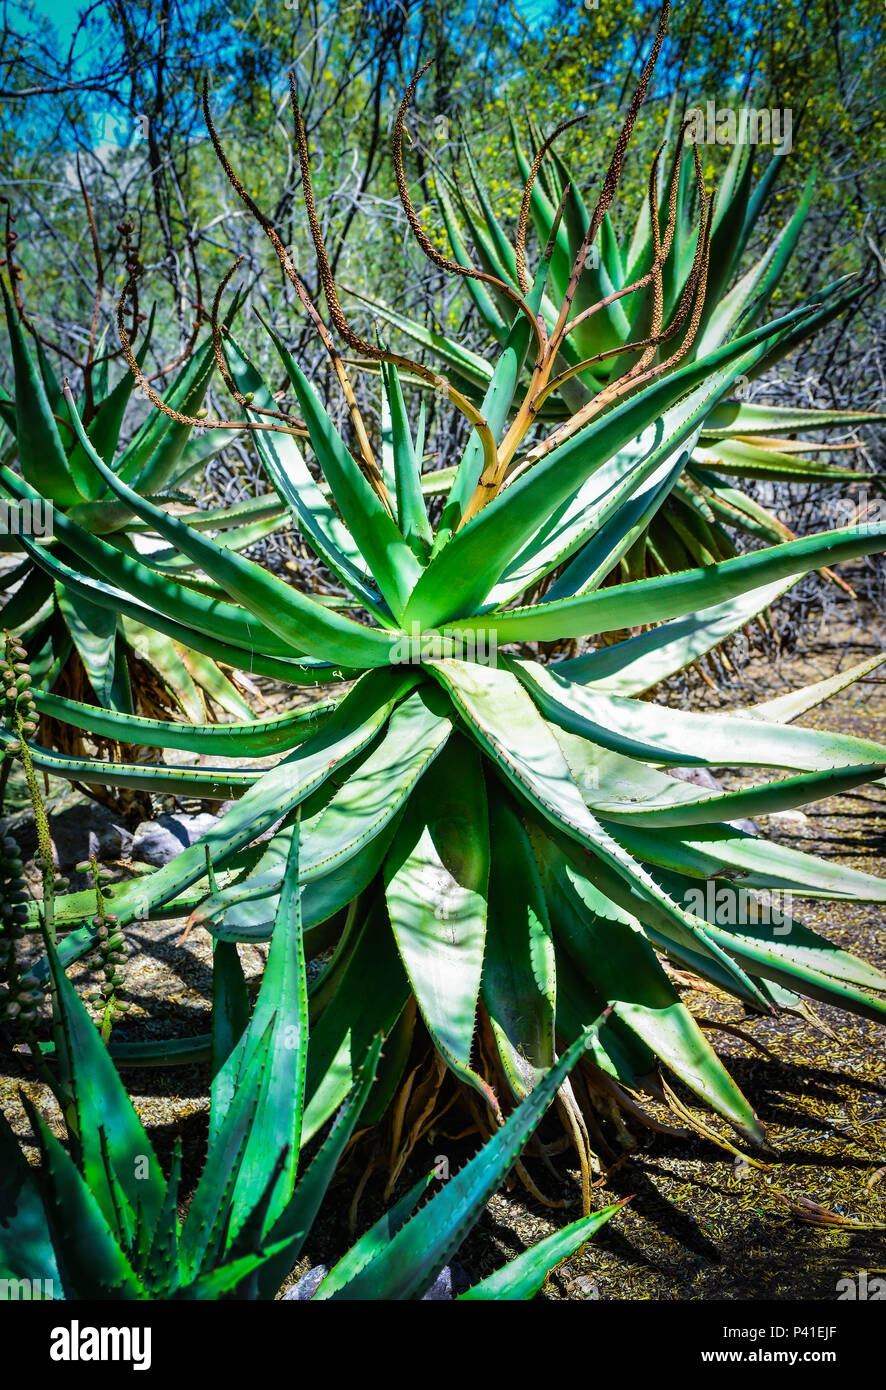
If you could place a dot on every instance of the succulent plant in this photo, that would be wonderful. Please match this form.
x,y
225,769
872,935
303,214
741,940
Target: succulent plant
x,y
101,1221
81,649
490,838
623,297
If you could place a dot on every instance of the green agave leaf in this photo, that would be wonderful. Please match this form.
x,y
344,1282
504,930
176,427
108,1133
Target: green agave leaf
x,y
351,726
281,1012
436,879
609,948
345,831
411,511
204,1238
834,300
159,1268
640,474
156,425
111,1138
207,676
497,402
407,1265
234,538
494,254
460,359
162,655
785,244
760,195
230,1003
31,600
521,1278
301,623
104,432
501,244
726,315
372,795
141,583
690,810
257,738
684,938
494,308
393,565
374,1241
507,725
779,933
616,536
91,1262
519,984
293,482
40,448
47,374
248,509
728,228
392,1066
737,509
732,418
198,452
104,429
293,1226
704,851
659,734
623,789
749,460
641,662
235,1278
368,999
118,600
780,950
458,579
212,783
785,708
618,1051
26,1250
655,600
165,461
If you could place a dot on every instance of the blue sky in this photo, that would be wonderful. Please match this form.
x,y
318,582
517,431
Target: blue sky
x,y
62,13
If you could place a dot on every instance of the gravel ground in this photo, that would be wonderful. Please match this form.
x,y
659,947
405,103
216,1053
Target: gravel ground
x,y
700,1223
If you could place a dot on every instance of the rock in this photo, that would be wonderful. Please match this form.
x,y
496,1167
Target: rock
x,y
583,1287
305,1287
441,1289
78,829
159,841
748,826
703,777
698,776
789,820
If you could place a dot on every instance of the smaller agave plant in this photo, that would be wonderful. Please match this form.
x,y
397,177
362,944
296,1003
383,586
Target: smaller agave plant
x,y
99,1220
627,303
491,846
78,648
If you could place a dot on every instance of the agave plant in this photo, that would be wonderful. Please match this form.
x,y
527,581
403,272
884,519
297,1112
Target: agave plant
x,y
80,649
621,295
490,843
101,1220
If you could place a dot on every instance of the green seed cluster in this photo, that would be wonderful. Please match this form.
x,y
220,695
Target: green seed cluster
x,y
20,712
22,993
108,956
